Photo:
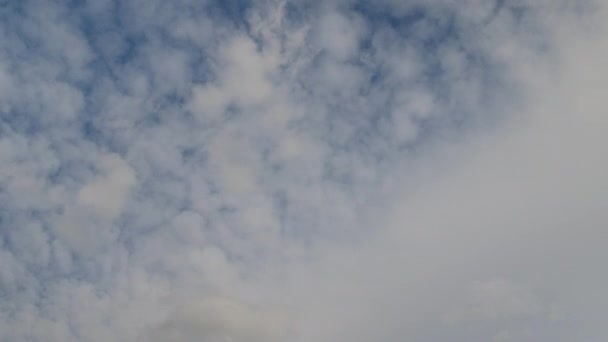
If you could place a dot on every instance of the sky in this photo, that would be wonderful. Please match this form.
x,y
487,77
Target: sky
x,y
299,170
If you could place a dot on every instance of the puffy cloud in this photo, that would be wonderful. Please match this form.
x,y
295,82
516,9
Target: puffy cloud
x,y
297,171
107,193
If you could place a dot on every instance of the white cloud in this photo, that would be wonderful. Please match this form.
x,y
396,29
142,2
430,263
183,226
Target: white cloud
x,y
108,193
242,80
219,319
289,171
505,239
338,35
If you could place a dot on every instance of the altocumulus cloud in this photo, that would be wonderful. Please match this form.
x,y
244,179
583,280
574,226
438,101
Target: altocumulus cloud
x,y
303,171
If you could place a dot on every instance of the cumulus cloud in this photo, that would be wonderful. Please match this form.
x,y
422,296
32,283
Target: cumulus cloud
x,y
302,171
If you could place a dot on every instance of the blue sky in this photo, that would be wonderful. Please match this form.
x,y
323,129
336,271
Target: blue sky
x,y
302,170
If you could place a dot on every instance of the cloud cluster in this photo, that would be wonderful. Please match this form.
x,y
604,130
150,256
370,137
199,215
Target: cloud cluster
x,y
298,170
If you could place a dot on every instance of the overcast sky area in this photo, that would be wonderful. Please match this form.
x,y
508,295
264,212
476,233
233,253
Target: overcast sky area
x,y
303,171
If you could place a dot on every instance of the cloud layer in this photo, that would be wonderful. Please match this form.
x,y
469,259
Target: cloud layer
x,y
303,171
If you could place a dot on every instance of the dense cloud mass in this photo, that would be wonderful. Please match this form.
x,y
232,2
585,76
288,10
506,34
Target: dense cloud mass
x,y
297,171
